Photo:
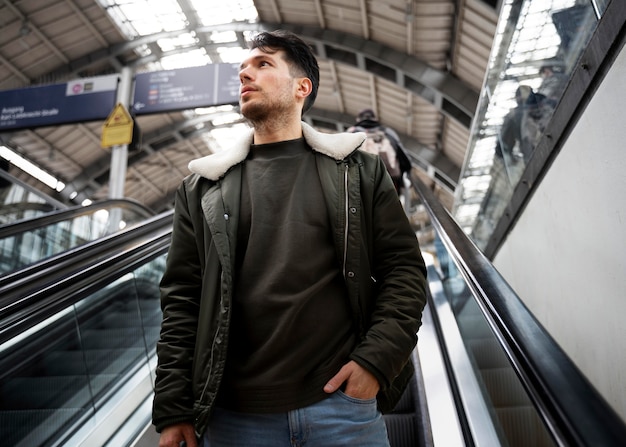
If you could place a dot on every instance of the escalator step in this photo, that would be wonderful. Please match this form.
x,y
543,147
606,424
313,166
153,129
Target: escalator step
x,y
47,393
505,388
401,430
93,361
39,393
115,337
16,427
488,353
523,427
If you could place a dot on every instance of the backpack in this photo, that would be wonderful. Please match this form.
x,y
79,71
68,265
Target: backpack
x,y
377,142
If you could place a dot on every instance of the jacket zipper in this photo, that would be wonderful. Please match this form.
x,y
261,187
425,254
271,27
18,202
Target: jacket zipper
x,y
345,222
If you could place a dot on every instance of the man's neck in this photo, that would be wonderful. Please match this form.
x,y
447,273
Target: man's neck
x,y
264,134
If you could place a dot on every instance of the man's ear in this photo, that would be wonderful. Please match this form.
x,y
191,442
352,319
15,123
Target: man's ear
x,y
305,87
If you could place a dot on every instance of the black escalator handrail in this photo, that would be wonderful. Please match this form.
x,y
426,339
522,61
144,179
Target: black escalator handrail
x,y
573,410
24,275
39,291
54,217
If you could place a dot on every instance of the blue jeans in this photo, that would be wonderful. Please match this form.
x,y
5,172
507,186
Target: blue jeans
x,y
339,420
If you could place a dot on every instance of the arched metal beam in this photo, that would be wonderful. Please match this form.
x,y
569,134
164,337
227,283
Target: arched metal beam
x,y
447,93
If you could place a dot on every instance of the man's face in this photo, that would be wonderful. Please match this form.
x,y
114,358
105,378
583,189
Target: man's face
x,y
267,87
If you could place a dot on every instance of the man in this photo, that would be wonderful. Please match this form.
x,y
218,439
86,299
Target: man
x,y
524,124
294,284
553,82
385,142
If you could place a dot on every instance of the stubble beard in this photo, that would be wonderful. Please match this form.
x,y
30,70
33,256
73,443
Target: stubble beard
x,y
268,113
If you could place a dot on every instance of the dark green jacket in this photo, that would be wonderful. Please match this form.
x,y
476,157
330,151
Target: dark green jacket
x,y
382,266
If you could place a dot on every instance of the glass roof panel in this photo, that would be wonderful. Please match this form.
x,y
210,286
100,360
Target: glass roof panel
x,y
137,18
213,12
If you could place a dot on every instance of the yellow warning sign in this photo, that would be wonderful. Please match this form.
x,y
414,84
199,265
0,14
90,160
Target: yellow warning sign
x,y
118,127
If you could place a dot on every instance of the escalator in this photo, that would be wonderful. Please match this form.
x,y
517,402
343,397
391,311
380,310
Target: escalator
x,y
77,337
78,331
511,383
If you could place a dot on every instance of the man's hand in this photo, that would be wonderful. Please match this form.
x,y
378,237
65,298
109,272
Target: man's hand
x,y
360,383
173,435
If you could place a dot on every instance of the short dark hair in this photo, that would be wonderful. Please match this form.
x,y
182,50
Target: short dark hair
x,y
366,114
298,54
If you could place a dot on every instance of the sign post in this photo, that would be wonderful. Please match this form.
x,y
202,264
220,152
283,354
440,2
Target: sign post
x,y
119,151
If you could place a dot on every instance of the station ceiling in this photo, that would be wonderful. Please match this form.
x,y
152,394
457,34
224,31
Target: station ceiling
x,y
418,63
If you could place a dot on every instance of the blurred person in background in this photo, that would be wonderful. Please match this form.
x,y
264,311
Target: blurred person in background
x,y
384,142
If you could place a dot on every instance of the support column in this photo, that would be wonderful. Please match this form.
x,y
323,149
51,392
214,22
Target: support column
x,y
119,156
119,153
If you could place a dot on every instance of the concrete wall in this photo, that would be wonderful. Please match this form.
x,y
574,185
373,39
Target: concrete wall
x,y
566,257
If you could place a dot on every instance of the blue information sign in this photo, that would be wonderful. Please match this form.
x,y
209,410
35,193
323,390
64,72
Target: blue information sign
x,y
186,88
92,99
81,100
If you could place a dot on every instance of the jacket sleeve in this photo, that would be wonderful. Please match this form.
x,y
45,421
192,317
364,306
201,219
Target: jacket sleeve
x,y
394,308
180,289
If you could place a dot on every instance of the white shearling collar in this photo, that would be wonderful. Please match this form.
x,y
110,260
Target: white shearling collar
x,y
335,145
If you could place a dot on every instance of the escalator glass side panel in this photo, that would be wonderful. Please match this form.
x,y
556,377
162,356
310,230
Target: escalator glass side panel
x,y
44,384
517,418
536,52
513,416
18,202
25,248
111,335
57,376
147,280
